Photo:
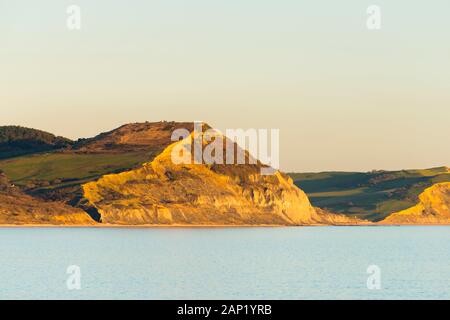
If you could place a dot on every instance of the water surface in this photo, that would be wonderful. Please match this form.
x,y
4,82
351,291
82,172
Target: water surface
x,y
226,263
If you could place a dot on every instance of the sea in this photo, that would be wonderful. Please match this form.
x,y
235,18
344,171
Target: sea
x,y
383,262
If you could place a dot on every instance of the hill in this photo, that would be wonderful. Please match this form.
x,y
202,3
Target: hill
x,y
17,141
163,193
371,195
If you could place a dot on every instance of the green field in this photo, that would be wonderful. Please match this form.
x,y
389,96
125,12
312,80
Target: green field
x,y
54,170
371,195
51,166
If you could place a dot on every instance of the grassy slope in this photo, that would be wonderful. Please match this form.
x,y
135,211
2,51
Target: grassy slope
x,y
54,170
371,195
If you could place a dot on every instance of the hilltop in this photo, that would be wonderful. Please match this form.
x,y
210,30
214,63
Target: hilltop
x,y
17,141
133,137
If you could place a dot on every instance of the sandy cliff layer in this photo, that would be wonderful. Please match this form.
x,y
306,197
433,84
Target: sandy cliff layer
x,y
161,192
17,208
433,208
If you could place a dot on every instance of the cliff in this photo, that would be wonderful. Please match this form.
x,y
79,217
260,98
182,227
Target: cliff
x,y
17,208
433,208
164,193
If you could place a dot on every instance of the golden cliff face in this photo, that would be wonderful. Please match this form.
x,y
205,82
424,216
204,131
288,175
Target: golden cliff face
x,y
17,208
164,193
433,208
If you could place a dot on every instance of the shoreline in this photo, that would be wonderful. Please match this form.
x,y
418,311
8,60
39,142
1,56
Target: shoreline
x,y
213,226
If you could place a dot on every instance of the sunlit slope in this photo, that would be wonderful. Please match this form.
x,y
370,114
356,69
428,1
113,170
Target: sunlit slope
x,y
372,195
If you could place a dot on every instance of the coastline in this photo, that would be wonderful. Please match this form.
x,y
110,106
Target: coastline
x,y
147,226
215,226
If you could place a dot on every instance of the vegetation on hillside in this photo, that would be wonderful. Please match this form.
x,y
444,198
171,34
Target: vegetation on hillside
x,y
372,195
58,176
16,141
54,167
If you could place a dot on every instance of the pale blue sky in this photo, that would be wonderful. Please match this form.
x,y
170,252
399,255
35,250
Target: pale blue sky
x,y
343,97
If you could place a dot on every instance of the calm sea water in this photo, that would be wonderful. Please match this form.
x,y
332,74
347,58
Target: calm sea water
x,y
241,263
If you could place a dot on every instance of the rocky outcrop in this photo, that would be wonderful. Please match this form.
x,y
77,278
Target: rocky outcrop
x,y
433,208
17,208
164,193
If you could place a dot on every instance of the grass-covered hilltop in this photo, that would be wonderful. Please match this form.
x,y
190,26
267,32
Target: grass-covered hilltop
x,y
125,177
17,141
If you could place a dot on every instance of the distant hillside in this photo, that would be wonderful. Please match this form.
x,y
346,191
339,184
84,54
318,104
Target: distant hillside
x,y
16,141
371,195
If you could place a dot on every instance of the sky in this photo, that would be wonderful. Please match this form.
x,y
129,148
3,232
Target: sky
x,y
345,98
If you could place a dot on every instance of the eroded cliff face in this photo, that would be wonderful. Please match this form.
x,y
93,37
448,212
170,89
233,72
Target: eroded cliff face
x,y
433,208
17,208
164,193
